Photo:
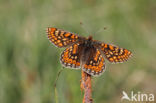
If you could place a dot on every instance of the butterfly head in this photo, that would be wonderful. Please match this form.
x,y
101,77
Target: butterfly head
x,y
90,38
88,42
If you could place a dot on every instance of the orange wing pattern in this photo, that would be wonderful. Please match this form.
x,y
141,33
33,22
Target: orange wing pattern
x,y
86,52
71,57
61,38
95,64
114,53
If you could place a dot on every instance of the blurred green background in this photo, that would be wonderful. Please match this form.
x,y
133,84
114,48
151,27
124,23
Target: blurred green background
x,y
29,63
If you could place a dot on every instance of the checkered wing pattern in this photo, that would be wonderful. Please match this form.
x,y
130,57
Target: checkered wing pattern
x,y
95,64
71,56
61,38
115,54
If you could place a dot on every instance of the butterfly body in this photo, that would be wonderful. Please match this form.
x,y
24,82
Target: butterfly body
x,y
86,53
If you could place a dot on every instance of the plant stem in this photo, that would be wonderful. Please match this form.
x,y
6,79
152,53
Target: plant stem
x,y
86,87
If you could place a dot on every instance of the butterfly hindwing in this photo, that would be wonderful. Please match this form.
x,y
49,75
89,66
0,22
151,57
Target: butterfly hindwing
x,y
95,63
61,38
71,57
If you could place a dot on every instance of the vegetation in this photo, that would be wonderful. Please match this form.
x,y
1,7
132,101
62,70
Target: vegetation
x,y
29,63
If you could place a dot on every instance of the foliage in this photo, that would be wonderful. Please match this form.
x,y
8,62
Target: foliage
x,y
29,63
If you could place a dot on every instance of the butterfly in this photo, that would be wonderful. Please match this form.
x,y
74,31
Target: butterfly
x,y
86,53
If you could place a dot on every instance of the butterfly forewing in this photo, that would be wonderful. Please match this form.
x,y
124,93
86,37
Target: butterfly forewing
x,y
115,54
61,38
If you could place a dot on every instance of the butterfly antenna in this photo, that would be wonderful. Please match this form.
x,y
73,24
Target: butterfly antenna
x,y
58,74
100,30
84,27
